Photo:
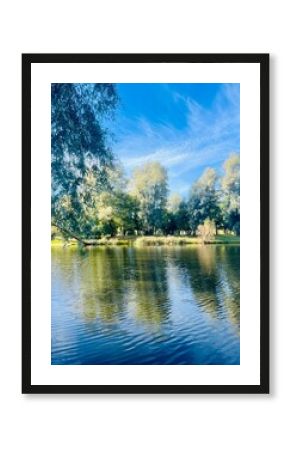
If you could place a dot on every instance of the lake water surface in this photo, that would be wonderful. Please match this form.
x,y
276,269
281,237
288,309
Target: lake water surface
x,y
154,305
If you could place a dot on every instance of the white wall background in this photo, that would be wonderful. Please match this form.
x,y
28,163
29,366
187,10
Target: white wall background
x,y
129,422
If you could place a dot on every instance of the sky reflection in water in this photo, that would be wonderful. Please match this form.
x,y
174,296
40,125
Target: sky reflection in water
x,y
164,305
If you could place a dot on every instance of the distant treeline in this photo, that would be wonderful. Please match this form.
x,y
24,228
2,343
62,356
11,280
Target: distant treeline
x,y
92,198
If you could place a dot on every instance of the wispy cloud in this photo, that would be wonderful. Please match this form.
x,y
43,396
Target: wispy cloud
x,y
207,139
166,156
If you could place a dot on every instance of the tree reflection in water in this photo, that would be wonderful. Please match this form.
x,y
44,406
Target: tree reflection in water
x,y
154,301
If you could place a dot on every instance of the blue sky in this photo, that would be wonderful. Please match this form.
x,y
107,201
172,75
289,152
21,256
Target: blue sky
x,y
186,127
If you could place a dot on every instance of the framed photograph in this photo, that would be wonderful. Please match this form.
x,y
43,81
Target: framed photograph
x,y
145,223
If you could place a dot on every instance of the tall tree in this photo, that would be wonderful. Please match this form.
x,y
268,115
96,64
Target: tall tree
x,y
230,195
182,217
203,200
81,156
173,203
126,212
177,215
149,186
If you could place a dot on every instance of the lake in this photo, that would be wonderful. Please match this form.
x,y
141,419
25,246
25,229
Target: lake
x,y
152,305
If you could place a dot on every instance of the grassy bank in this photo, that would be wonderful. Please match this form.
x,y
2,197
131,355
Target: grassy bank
x,y
186,240
91,242
146,241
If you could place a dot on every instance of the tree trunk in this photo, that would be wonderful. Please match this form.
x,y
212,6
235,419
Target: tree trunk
x,y
69,233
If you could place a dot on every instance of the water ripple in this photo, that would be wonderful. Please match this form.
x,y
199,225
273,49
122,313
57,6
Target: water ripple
x,y
143,306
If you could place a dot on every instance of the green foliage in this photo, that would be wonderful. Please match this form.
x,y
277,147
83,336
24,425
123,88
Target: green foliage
x,y
126,211
177,219
182,217
230,194
207,231
203,201
81,157
231,179
173,203
149,187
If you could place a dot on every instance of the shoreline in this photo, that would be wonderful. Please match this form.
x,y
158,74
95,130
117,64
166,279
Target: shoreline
x,y
149,241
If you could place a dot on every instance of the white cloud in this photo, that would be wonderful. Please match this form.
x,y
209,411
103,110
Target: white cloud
x,y
210,135
167,157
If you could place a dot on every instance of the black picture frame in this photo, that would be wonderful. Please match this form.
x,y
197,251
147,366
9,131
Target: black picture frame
x,y
263,61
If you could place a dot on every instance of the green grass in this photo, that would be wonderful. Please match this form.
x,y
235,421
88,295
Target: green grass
x,y
146,241
227,239
112,241
59,242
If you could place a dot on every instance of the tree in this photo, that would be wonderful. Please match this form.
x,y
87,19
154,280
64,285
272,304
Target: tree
x,y
177,215
126,213
230,195
173,203
81,157
182,217
206,231
149,187
203,201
